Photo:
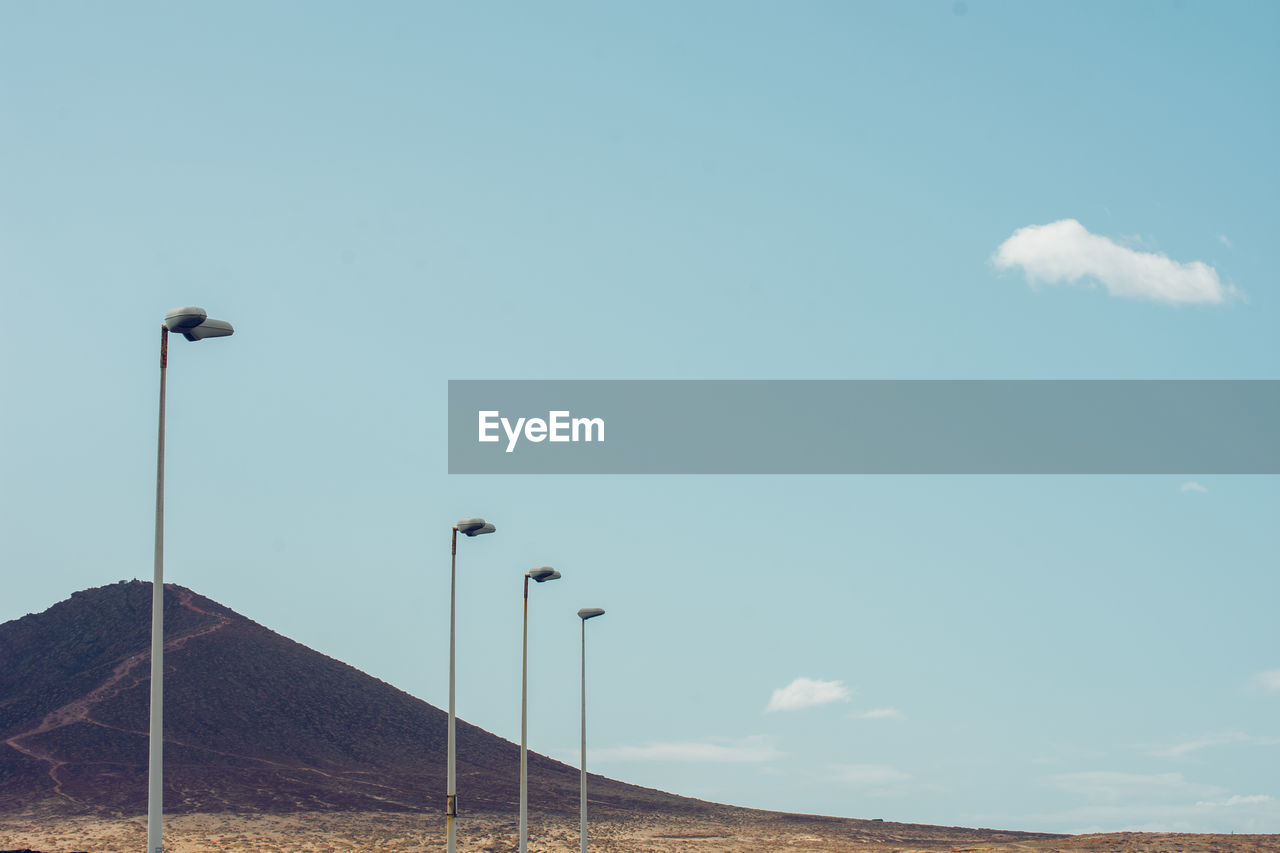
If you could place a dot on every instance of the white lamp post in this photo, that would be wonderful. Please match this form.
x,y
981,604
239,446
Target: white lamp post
x,y
194,325
467,527
584,614
540,574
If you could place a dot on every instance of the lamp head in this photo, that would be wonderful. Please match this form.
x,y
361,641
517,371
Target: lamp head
x,y
184,319
195,325
474,526
542,574
590,613
210,328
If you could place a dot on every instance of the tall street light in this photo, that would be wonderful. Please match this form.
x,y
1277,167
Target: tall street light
x,y
584,614
194,325
540,574
468,527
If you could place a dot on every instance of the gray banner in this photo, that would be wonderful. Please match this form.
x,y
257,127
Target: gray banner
x,y
863,427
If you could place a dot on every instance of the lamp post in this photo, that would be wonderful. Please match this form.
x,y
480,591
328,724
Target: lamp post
x,y
468,527
195,325
540,574
584,614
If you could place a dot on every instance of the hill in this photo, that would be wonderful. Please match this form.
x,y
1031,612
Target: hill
x,y
262,731
253,722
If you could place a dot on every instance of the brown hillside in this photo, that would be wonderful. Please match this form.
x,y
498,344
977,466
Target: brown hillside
x,y
253,721
260,729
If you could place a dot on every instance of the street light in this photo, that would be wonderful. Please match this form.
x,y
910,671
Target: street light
x,y
195,325
584,614
468,527
540,574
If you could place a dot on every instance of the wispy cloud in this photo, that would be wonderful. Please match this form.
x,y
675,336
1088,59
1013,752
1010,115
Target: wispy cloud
x,y
1269,680
1193,486
1237,800
808,693
1224,240
1106,786
1253,813
878,714
879,777
754,748
1186,747
1163,802
1066,252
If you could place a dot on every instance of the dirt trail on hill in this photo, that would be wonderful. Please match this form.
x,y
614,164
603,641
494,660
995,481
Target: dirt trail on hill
x,y
123,677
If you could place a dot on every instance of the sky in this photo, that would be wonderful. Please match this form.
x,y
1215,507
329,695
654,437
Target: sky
x,y
386,197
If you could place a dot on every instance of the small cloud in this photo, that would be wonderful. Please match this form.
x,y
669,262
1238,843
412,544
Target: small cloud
x,y
878,714
1224,240
1132,241
1237,800
1193,486
1066,252
755,748
878,778
1269,680
807,693
1252,813
1185,748
1105,786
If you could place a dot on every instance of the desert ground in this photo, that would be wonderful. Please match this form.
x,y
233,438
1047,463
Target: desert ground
x,y
364,832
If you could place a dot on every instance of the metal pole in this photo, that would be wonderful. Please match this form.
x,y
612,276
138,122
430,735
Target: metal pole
x,y
582,776
524,716
451,798
155,738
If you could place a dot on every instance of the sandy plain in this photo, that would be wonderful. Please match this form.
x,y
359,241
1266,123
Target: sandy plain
x,y
762,832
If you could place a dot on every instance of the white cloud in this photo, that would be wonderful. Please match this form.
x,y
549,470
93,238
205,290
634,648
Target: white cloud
x,y
1184,748
878,714
1193,486
1224,240
808,693
754,748
879,776
1105,786
1065,251
1165,802
1269,680
1254,813
1237,800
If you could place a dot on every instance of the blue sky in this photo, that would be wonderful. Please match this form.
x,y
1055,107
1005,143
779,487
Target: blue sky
x,y
385,198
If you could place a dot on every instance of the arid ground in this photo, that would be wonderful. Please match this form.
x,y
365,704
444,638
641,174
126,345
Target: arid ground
x,y
366,832
272,747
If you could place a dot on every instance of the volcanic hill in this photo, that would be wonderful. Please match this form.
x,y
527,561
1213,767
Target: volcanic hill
x,y
260,728
253,722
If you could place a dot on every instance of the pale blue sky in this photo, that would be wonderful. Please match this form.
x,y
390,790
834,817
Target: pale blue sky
x,y
387,197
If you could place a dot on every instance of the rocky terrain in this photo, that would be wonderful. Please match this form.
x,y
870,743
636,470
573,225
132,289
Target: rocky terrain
x,y
271,746
254,722
731,831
